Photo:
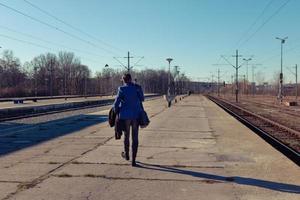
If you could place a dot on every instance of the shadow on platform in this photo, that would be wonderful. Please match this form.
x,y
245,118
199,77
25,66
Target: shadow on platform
x,y
17,136
281,187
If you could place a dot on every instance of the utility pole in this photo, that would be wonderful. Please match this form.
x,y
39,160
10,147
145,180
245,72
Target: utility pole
x,y
253,84
296,75
280,90
247,62
128,62
236,67
232,84
244,84
296,82
212,81
85,84
218,82
219,76
128,67
237,75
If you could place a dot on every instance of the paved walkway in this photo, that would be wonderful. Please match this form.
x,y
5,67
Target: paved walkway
x,y
193,150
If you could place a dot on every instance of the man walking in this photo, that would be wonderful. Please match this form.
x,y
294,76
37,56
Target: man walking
x,y
128,106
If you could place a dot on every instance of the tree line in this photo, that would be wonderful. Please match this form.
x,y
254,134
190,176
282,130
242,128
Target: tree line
x,y
51,74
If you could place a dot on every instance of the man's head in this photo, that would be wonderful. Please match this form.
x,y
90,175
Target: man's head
x,y
126,78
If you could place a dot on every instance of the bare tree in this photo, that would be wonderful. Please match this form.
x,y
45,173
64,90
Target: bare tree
x,y
11,75
63,74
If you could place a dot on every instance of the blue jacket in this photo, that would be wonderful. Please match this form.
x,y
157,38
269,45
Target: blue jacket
x,y
128,102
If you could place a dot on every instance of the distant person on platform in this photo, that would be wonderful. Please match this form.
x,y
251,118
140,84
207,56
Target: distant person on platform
x,y
128,106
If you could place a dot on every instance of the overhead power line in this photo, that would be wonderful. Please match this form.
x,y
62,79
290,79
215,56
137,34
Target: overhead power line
x,y
265,22
24,41
55,28
37,45
255,21
48,42
70,25
288,51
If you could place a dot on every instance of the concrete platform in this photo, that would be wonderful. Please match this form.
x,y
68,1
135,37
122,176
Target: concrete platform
x,y
193,150
6,105
9,110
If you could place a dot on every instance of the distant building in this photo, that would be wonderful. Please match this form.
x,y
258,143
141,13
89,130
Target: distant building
x,y
202,87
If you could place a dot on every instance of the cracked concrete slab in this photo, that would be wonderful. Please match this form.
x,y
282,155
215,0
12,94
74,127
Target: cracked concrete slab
x,y
193,150
49,159
152,155
145,171
99,188
6,188
25,172
31,165
70,149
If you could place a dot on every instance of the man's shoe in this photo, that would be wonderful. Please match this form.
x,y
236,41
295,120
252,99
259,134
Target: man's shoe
x,y
125,155
133,163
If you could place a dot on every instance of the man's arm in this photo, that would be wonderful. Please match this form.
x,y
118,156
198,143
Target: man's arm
x,y
118,100
140,93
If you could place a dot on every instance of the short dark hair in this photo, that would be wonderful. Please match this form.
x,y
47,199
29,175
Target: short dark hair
x,y
126,78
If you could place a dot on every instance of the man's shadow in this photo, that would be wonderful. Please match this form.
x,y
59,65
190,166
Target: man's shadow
x,y
281,187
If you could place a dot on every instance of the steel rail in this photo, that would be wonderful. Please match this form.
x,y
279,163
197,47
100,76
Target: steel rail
x,y
289,152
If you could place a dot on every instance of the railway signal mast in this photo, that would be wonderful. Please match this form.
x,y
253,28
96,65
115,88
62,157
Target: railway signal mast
x,y
280,89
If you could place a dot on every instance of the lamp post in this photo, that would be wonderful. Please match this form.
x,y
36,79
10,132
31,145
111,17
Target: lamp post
x,y
282,41
112,80
169,76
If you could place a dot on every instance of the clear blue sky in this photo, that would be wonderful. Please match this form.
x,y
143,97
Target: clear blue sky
x,y
193,32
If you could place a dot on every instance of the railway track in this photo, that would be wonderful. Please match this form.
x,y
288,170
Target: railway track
x,y
283,138
281,108
101,104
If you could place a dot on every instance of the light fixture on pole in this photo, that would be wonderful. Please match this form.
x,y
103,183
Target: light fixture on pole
x,y
280,89
112,80
169,77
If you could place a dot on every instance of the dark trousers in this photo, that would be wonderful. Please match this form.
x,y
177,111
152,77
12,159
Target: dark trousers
x,y
134,134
